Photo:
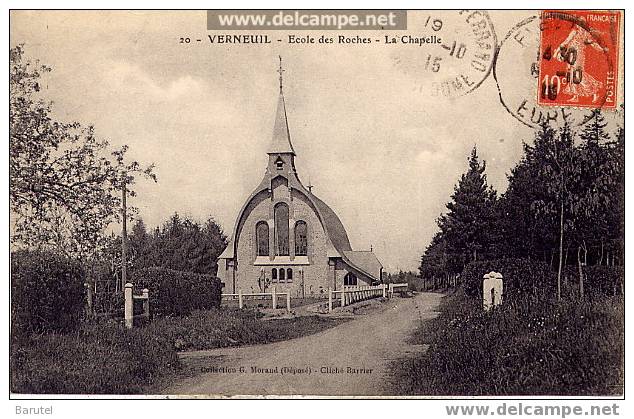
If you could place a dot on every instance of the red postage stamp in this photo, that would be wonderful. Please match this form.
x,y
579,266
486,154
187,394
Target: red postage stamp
x,y
578,58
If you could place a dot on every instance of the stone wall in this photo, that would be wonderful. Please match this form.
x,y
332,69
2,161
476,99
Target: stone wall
x,y
314,277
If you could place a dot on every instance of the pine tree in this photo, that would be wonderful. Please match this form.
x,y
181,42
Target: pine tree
x,y
466,228
139,242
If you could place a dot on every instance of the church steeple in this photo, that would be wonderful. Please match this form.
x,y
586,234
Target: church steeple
x,y
281,143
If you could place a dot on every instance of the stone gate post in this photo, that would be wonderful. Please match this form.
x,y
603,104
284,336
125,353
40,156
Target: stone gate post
x,y
128,311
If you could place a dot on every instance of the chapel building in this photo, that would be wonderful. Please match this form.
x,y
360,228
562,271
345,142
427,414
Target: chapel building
x,y
286,237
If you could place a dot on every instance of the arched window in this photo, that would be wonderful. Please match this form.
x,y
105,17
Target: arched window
x,y
281,229
289,275
301,239
274,275
262,238
281,274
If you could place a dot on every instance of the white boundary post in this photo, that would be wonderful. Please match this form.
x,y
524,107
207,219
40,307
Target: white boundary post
x,y
240,301
274,295
329,300
288,301
343,297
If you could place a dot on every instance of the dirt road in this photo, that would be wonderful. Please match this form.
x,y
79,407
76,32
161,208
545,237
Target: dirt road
x,y
350,359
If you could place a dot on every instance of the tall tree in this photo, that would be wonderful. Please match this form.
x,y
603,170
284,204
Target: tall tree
x,y
437,261
558,170
65,183
180,243
140,244
467,226
528,230
595,188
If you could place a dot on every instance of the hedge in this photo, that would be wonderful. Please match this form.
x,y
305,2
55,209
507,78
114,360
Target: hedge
x,y
177,293
47,293
96,359
598,279
522,277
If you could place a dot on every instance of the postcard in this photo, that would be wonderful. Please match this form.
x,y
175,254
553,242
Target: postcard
x,y
317,204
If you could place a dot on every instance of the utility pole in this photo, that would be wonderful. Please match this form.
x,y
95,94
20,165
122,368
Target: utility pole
x,y
124,235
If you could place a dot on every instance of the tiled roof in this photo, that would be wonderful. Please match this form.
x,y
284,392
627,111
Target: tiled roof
x,y
365,260
281,142
332,224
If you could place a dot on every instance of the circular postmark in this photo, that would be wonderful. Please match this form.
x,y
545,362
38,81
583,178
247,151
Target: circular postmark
x,y
458,62
517,75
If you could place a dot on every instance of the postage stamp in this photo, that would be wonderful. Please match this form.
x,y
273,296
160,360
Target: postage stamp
x,y
517,74
578,59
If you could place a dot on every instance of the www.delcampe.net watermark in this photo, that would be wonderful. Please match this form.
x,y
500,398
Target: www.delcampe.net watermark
x,y
307,19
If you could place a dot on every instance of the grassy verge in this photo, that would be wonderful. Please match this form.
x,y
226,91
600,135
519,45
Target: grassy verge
x,y
219,328
106,359
102,359
543,348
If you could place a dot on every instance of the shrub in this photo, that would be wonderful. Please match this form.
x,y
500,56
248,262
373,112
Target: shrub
x,y
109,304
607,280
598,280
415,283
569,348
47,293
177,293
521,277
103,359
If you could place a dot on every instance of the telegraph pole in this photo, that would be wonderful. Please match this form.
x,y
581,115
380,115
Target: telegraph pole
x,y
124,234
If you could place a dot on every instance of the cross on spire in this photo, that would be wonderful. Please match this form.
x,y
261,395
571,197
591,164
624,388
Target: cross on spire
x,y
281,137
280,71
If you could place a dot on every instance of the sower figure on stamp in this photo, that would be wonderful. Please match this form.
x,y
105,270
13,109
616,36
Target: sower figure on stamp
x,y
572,51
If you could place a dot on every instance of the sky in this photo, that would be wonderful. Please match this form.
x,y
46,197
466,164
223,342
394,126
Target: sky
x,y
378,148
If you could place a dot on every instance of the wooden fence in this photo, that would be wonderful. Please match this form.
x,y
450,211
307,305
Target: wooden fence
x,y
402,287
129,304
352,294
348,295
261,295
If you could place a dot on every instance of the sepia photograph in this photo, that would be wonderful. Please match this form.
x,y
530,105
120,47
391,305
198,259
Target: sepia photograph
x,y
310,204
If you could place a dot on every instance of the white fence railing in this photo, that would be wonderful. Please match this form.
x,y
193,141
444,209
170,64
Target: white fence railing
x,y
402,287
352,294
274,295
348,295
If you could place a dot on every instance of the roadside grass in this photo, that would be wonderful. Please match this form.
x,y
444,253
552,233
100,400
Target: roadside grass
x,y
218,328
104,358
539,347
98,359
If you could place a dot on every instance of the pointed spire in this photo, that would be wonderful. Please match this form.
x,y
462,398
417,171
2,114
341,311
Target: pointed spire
x,y
281,136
